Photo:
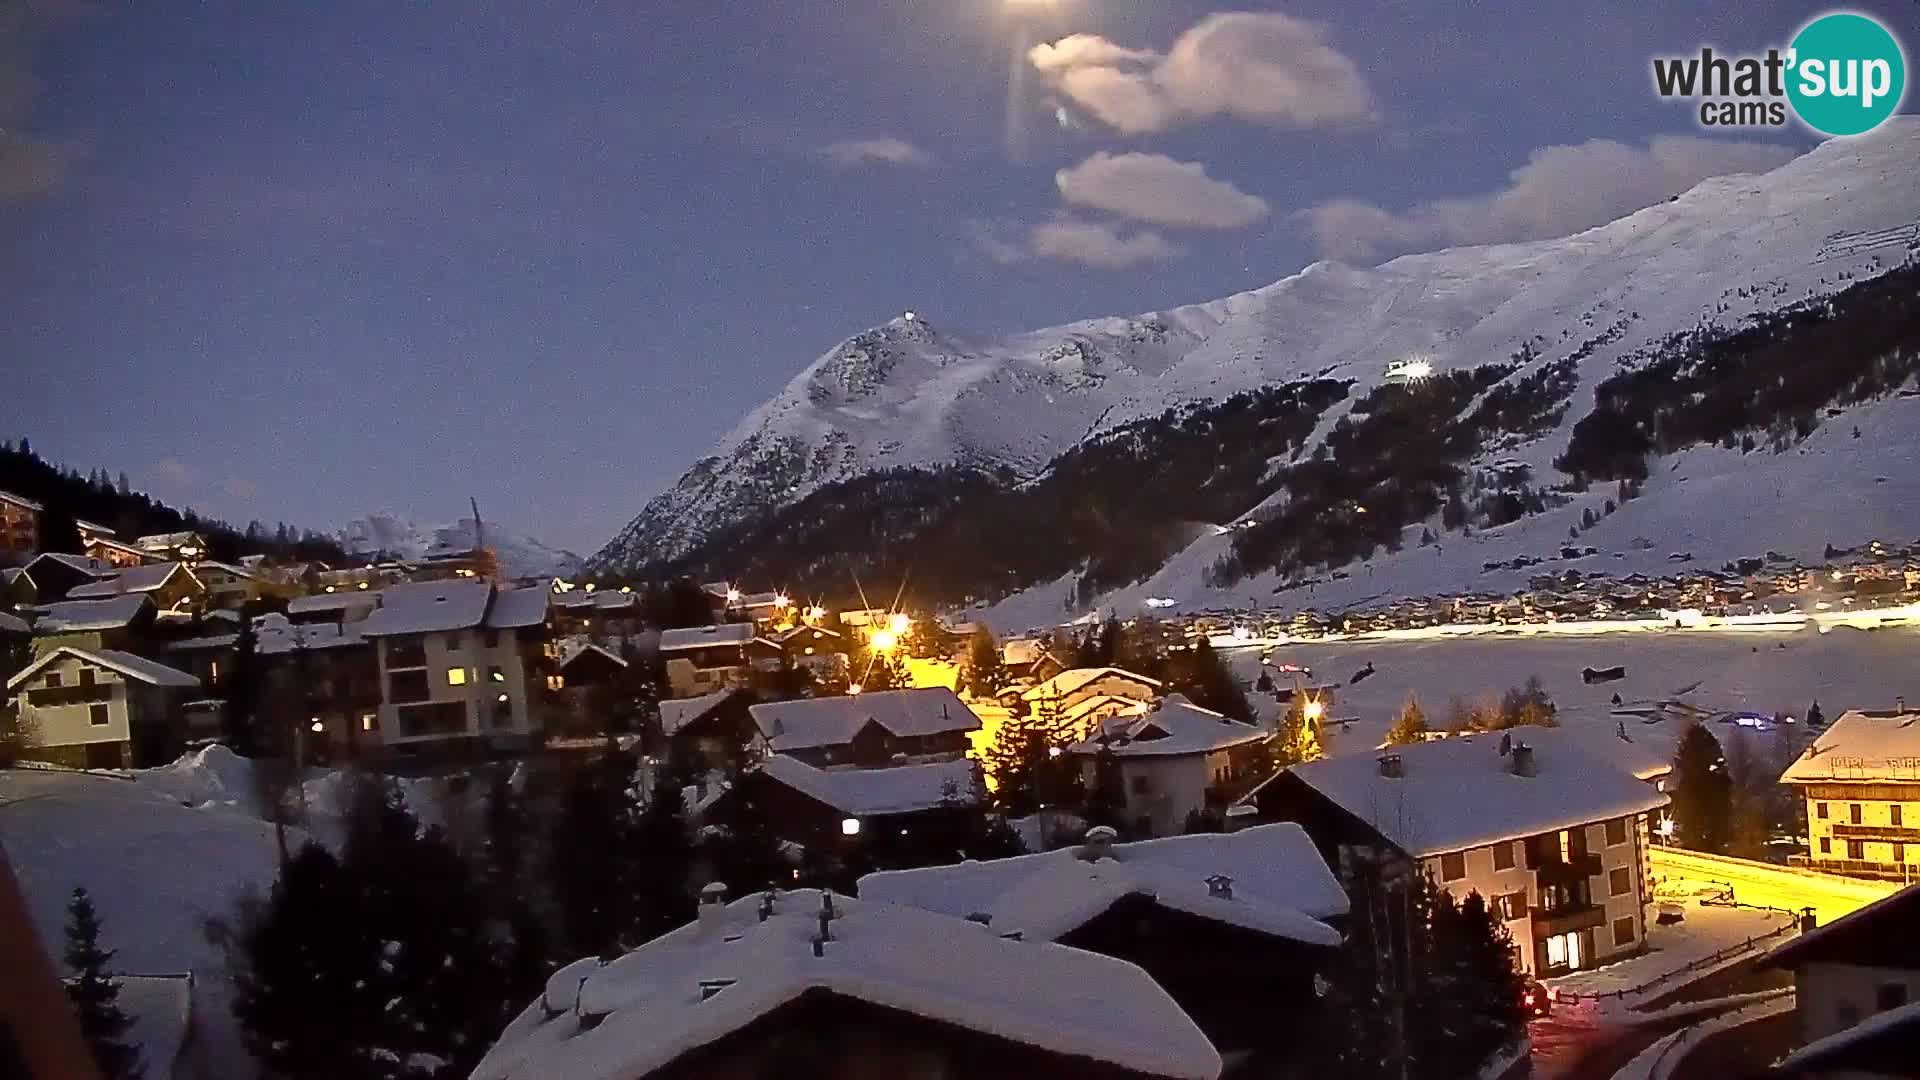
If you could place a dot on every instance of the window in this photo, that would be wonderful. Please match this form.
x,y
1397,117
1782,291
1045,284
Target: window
x,y
1141,785
53,680
1619,881
1623,931
1503,856
1899,851
492,639
496,674
1889,996
1453,867
456,676
1511,906
1893,814
86,676
1616,832
406,654
1820,810
1826,846
453,642
404,687
1856,849
97,715
1853,813
434,718
369,721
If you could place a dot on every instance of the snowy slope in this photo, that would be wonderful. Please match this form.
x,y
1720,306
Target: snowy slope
x,y
912,393
520,556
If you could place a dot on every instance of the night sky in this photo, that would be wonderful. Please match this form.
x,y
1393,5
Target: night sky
x,y
305,261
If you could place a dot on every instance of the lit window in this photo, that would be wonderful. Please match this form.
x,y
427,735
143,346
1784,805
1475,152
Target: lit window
x,y
556,682
369,721
456,676
850,826
494,674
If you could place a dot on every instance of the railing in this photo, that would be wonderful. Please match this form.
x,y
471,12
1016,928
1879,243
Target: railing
x,y
1689,968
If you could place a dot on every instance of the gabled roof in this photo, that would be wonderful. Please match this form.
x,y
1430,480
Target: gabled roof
x,y
1072,679
274,635
111,544
514,609
701,637
1461,793
133,667
11,574
134,579
13,624
20,500
676,713
424,607
94,527
695,985
237,571
1880,746
1279,884
72,616
345,600
88,566
574,650
832,721
1173,726
1880,934
1881,1045
899,789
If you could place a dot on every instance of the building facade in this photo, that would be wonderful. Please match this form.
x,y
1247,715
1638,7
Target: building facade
x,y
100,709
1861,782
19,528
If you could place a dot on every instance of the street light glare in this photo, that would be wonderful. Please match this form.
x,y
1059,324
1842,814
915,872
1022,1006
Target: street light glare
x,y
899,622
884,640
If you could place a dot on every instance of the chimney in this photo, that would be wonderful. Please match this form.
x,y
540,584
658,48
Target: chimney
x,y
766,905
1098,844
1391,767
1523,764
819,946
1220,887
712,910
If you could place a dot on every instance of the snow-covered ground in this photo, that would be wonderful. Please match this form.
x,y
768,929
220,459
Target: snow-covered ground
x,y
1661,1059
1714,672
1704,932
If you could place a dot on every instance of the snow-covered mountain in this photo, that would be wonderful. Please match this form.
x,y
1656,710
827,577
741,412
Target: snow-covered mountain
x,y
520,556
913,393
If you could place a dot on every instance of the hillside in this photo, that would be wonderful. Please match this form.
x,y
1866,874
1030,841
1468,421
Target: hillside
x,y
1120,433
392,535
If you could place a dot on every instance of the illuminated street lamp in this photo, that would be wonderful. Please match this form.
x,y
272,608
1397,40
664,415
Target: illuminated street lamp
x,y
733,595
850,826
1667,829
899,622
1313,710
780,600
884,641
853,688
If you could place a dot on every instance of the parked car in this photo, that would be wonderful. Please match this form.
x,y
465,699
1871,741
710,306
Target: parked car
x,y
1535,999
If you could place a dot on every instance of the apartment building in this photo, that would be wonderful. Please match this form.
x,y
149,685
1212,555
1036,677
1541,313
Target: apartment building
x,y
1861,781
19,527
1554,836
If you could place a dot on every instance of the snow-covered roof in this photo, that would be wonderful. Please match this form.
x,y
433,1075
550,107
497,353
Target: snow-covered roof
x,y
237,571
574,650
161,1008
157,541
11,574
20,500
697,984
332,601
899,789
13,624
199,644
1280,884
1861,745
134,579
127,664
514,609
1864,931
93,527
676,713
1881,1040
1072,679
1017,651
89,566
68,616
1462,793
700,637
1087,706
425,607
274,635
832,721
1173,726
1645,751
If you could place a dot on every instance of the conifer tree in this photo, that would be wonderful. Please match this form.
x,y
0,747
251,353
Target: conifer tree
x,y
1702,792
985,674
664,853
95,994
592,865
1410,726
1204,678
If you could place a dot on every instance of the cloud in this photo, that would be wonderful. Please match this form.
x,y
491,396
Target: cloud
x,y
173,473
1101,245
1264,68
1560,190
1156,188
883,150
28,166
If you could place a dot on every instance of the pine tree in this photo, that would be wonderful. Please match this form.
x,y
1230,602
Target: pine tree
x,y
984,674
1204,678
592,866
1410,726
95,994
1702,793
243,693
664,853
1028,764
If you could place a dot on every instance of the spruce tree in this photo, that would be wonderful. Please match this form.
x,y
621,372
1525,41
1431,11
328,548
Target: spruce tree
x,y
1702,793
243,693
1410,726
591,860
664,853
985,674
95,994
1204,678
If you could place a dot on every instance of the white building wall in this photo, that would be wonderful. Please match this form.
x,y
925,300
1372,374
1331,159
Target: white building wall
x,y
1833,997
465,651
1176,785
72,725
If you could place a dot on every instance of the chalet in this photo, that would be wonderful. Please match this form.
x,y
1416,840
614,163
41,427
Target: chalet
x,y
17,588
176,591
183,546
1234,926
712,731
1856,969
871,729
582,663
814,648
1172,760
1090,695
457,663
702,659
614,612
1554,837
55,572
230,587
111,552
1029,659
1861,781
100,708
19,527
119,623
815,984
892,815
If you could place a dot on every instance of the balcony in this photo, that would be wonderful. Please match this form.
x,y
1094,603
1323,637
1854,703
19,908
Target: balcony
x,y
1877,832
1567,920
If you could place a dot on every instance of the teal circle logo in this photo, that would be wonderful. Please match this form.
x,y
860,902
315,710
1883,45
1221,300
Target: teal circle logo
x,y
1846,74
